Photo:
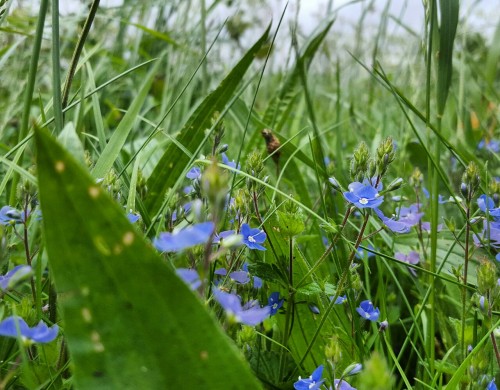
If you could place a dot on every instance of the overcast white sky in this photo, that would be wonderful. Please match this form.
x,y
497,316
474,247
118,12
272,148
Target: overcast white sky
x,y
482,15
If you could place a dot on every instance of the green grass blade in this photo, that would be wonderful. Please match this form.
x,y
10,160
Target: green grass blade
x,y
129,321
286,96
115,144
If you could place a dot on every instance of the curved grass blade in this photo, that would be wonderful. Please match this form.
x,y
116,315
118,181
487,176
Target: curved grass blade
x,y
128,320
173,161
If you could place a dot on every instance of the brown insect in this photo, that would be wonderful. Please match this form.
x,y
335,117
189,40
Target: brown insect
x,y
272,144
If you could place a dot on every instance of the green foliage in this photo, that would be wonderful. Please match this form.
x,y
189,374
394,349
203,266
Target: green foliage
x,y
145,104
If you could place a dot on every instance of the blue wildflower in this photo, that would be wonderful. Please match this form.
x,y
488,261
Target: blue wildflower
x,y
363,196
231,164
360,252
411,258
491,233
185,238
441,198
491,385
190,277
240,277
357,367
252,238
40,333
275,302
11,216
367,311
426,227
257,282
340,384
314,382
14,276
490,144
249,314
185,210
314,309
133,218
410,215
194,173
222,235
340,299
481,301
392,224
486,204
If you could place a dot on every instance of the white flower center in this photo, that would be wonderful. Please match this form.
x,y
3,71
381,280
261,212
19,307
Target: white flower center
x,y
251,239
363,201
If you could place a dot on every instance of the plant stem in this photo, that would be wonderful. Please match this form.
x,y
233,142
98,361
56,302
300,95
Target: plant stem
x,y
289,314
56,68
464,288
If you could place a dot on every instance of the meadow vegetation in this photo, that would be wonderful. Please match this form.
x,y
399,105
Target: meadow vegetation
x,y
189,201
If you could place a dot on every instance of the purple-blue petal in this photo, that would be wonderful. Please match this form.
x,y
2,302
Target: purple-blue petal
x,y
241,277
194,173
190,277
15,275
229,302
40,333
186,238
342,385
254,315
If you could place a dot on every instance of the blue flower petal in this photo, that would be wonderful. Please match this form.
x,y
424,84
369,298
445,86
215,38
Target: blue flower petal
x,y
186,238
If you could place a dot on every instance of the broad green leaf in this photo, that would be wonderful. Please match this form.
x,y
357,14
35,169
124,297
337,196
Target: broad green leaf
x,y
128,320
174,160
115,144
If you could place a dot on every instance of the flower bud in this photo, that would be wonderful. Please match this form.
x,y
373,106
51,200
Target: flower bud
x,y
470,181
416,178
395,184
333,351
376,375
359,162
486,277
223,149
335,184
385,155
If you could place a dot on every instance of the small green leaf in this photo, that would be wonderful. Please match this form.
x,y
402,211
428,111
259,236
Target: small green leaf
x,y
310,289
290,224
